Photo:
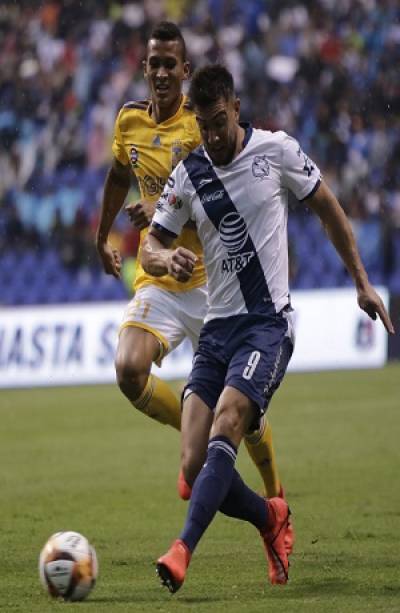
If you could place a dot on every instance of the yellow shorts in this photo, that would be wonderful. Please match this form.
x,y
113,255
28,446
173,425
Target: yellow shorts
x,y
170,316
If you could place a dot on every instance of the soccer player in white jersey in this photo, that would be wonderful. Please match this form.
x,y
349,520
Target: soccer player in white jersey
x,y
235,189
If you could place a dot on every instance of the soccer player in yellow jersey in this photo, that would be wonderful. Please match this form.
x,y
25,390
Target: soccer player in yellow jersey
x,y
150,139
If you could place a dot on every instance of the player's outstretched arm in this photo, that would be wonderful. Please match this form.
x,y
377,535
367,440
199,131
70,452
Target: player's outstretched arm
x,y
116,188
338,228
158,259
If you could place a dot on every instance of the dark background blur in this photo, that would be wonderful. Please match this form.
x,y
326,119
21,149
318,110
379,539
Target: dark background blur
x,y
326,71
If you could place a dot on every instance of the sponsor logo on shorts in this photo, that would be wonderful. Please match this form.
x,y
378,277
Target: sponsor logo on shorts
x,y
274,374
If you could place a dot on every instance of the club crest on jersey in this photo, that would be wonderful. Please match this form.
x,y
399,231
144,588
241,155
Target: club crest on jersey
x,y
260,167
133,156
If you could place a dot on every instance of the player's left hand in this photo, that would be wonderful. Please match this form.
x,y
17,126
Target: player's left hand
x,y
140,213
370,302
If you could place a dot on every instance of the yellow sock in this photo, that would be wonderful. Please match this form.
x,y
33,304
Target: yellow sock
x,y
261,450
159,402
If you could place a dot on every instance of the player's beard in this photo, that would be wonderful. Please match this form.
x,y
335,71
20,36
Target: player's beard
x,y
225,155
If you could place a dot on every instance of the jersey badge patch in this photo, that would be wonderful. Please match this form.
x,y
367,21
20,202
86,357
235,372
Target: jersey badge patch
x,y
308,167
176,153
174,201
260,167
133,156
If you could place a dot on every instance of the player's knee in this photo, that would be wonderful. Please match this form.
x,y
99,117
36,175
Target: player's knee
x,y
131,378
229,420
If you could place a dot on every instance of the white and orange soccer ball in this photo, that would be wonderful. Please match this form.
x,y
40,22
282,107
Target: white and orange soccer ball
x,y
68,566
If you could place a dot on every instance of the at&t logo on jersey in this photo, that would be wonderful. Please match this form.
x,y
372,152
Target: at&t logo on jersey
x,y
233,234
236,263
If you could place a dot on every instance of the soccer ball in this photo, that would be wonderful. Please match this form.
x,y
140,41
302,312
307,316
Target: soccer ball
x,y
68,566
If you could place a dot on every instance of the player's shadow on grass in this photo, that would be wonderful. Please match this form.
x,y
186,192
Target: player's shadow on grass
x,y
201,599
160,598
334,586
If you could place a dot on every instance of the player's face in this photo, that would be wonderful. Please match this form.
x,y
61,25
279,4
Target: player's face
x,y
219,127
165,69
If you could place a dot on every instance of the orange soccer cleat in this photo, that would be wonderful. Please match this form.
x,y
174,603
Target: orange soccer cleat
x,y
289,536
172,566
184,489
274,540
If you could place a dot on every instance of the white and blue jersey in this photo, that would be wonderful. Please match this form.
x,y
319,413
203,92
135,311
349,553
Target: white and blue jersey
x,y
240,211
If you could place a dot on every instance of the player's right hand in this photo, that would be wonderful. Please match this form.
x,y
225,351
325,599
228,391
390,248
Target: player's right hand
x,y
181,264
140,213
110,258
370,302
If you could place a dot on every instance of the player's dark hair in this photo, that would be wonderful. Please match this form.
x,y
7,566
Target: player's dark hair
x,y
209,84
167,30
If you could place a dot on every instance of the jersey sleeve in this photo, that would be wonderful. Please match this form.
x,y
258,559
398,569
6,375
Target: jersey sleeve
x,y
299,173
172,208
118,148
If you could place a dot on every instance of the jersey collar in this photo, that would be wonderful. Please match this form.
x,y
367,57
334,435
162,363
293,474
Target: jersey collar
x,y
172,119
248,131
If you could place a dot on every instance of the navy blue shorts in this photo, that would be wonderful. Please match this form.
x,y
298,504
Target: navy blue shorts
x,y
248,352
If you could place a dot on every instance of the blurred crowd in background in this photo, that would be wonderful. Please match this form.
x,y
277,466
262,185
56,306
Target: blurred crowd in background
x,y
325,71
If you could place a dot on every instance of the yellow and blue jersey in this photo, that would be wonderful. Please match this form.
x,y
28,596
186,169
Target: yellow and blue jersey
x,y
153,150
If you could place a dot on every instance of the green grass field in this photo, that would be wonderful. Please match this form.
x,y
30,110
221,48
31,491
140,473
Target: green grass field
x,y
82,459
